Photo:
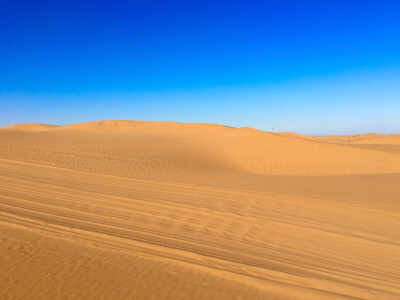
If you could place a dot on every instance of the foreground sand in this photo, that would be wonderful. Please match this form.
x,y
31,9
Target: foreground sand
x,y
158,210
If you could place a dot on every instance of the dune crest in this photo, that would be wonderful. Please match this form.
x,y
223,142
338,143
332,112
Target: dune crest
x,y
126,126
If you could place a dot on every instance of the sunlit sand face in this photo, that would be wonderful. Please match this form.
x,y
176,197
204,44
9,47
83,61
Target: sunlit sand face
x,y
139,210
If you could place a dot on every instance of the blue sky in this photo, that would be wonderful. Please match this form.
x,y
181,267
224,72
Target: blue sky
x,y
311,67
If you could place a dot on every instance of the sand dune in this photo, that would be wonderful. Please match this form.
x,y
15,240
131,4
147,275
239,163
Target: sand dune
x,y
370,138
208,146
29,127
153,210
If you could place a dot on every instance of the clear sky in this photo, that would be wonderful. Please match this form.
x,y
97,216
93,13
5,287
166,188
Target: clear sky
x,y
311,67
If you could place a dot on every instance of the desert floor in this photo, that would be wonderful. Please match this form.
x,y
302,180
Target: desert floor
x,y
163,210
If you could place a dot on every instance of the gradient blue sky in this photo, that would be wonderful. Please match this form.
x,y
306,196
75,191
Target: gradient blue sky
x,y
311,67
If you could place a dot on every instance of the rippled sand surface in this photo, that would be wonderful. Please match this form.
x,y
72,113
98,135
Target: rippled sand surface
x,y
163,210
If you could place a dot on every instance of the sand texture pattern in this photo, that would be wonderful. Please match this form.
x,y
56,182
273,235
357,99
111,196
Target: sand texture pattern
x,y
163,210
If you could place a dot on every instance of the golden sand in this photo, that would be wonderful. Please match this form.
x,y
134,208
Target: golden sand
x,y
163,210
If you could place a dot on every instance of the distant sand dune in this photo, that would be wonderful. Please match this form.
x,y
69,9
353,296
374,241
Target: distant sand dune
x,y
370,138
30,127
154,210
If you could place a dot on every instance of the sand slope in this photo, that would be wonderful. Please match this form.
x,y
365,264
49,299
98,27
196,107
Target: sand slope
x,y
150,210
